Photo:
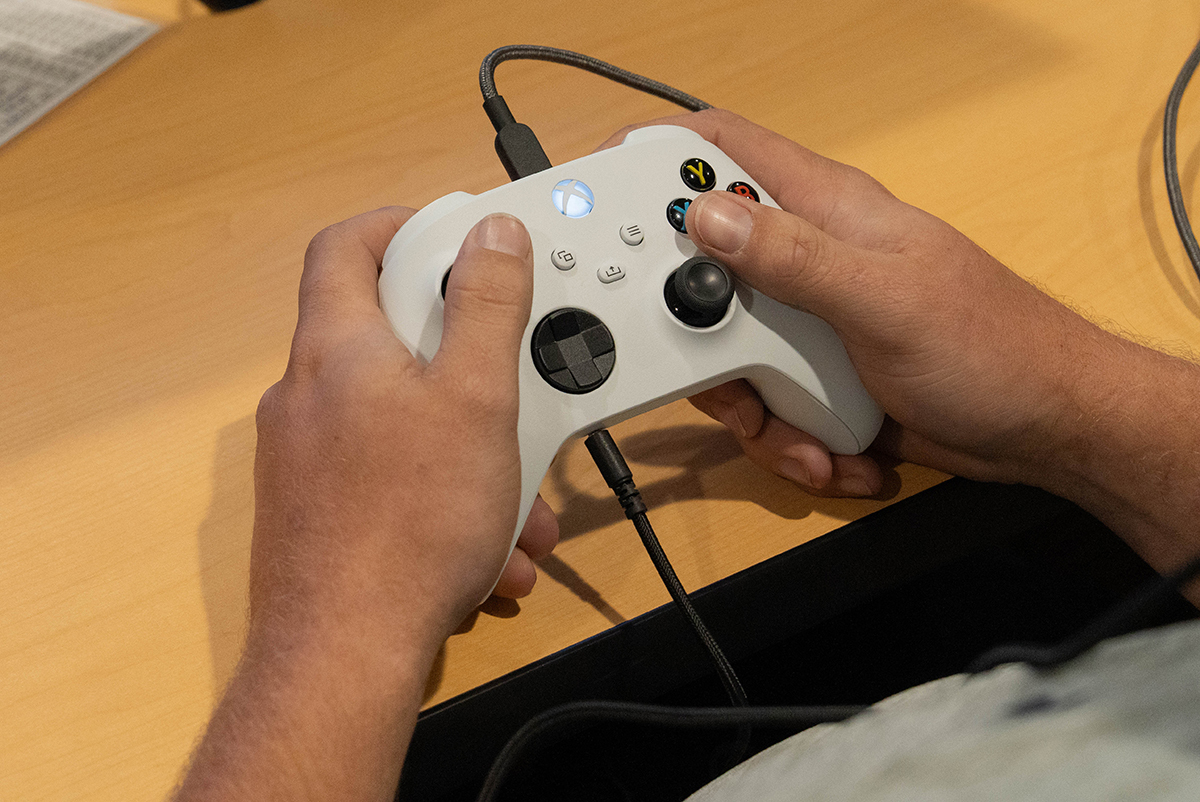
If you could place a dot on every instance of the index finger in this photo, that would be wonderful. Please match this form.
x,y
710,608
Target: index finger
x,y
341,265
827,193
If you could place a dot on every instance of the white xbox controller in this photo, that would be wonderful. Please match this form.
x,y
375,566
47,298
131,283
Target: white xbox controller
x,y
628,314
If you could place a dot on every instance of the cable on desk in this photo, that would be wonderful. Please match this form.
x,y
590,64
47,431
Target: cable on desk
x,y
590,713
1171,160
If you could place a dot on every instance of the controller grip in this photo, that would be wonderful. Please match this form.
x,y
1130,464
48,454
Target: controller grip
x,y
795,406
537,452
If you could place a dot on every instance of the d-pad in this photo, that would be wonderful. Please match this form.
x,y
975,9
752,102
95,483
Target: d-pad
x,y
573,350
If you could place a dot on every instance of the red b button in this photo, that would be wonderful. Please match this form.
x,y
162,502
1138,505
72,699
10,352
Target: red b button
x,y
743,189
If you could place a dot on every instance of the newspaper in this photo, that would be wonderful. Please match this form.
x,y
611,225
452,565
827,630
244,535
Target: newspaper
x,y
50,48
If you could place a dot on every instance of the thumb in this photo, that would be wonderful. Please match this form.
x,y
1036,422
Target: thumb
x,y
777,253
488,298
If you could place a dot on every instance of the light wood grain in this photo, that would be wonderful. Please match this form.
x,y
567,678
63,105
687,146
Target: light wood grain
x,y
153,227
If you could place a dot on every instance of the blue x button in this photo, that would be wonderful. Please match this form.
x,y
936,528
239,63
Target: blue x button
x,y
677,212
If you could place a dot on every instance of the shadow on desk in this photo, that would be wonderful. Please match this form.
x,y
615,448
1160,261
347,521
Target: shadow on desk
x,y
708,463
223,543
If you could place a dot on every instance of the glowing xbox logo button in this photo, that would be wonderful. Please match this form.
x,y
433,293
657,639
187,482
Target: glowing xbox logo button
x,y
572,198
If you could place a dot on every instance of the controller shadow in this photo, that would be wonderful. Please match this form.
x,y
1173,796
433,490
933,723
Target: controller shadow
x,y
710,464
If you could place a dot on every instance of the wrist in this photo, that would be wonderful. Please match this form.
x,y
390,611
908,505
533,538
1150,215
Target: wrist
x,y
311,715
350,631
355,587
320,655
1124,447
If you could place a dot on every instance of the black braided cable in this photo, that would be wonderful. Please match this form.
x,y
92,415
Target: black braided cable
x,y
1171,160
729,678
487,72
1128,615
652,715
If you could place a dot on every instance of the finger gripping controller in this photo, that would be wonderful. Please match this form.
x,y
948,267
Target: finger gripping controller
x,y
628,315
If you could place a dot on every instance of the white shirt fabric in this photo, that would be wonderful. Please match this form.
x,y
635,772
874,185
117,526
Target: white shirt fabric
x,y
1121,722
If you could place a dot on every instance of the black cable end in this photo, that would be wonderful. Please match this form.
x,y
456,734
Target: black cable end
x,y
498,112
616,472
520,152
608,458
516,144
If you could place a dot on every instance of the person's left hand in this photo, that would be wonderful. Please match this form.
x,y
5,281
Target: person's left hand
x,y
387,489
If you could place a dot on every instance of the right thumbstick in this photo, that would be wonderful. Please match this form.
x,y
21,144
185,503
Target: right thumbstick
x,y
699,292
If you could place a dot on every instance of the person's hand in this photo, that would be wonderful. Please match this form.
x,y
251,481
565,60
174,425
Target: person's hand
x,y
387,490
968,359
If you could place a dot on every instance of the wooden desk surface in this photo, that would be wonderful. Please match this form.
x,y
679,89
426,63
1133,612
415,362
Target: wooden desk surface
x,y
151,234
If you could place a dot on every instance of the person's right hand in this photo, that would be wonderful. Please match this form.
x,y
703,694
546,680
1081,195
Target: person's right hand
x,y
971,362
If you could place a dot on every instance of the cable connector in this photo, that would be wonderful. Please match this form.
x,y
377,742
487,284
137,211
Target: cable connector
x,y
516,144
615,472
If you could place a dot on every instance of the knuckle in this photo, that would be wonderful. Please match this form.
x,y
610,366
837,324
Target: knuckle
x,y
625,131
704,402
268,408
480,395
715,124
324,240
318,247
276,409
866,183
804,246
485,398
496,294
719,116
306,356
804,257
815,264
323,247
